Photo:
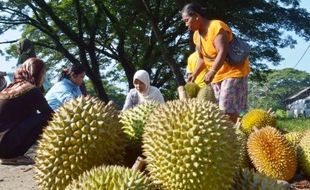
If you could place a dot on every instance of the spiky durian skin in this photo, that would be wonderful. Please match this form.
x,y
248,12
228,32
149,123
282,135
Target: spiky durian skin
x,y
249,179
304,153
257,118
294,138
111,178
272,154
133,121
207,93
244,157
190,144
191,89
83,133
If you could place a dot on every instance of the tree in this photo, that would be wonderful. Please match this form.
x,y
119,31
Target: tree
x,y
148,35
281,84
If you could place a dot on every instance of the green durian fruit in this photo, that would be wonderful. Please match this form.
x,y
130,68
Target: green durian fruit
x,y
83,133
294,138
272,154
244,157
304,153
191,89
133,121
190,144
249,179
257,118
207,93
111,178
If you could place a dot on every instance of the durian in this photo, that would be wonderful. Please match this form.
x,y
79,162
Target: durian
x,y
192,89
244,157
206,93
133,121
111,178
190,144
272,154
83,133
294,138
249,179
304,153
257,118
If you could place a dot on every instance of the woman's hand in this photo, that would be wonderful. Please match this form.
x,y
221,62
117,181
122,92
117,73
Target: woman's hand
x,y
191,78
209,76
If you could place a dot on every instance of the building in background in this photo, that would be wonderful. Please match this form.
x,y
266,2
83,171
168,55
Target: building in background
x,y
298,105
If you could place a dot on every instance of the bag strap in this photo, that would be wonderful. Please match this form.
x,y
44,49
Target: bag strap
x,y
200,49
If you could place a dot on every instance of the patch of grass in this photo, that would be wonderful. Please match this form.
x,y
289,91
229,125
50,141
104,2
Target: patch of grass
x,y
293,124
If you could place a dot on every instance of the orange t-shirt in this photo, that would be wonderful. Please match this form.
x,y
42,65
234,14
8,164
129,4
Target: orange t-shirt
x,y
208,50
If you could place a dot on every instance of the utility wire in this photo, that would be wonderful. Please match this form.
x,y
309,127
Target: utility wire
x,y
302,56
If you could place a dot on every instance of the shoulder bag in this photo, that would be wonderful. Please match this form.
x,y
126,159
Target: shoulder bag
x,y
238,51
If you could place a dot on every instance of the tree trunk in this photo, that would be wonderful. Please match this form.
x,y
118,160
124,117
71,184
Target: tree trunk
x,y
165,52
127,66
98,86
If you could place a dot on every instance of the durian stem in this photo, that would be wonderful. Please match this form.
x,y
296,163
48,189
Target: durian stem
x,y
139,164
269,110
182,93
238,123
111,103
272,113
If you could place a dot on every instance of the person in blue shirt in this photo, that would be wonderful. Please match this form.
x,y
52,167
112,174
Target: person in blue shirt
x,y
67,87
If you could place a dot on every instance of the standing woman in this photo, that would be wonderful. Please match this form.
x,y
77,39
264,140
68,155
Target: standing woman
x,y
67,87
143,91
23,112
212,37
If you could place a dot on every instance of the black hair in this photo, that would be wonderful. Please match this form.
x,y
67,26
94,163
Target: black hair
x,y
194,8
74,69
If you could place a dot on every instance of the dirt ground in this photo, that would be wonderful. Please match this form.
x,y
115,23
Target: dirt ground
x,y
18,177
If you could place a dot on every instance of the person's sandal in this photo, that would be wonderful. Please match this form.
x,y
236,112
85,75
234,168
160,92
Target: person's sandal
x,y
20,160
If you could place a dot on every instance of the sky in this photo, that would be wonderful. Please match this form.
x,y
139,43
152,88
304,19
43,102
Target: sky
x,y
291,56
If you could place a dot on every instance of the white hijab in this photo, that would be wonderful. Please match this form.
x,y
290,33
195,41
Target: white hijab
x,y
150,93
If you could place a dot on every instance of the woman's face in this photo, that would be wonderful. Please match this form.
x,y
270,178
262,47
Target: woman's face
x,y
78,78
139,85
192,22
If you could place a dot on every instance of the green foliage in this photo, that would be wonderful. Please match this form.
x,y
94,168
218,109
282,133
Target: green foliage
x,y
281,114
115,93
102,34
290,125
280,85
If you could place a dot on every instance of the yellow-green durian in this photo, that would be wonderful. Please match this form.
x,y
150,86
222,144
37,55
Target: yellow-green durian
x,y
304,153
257,118
271,154
83,133
191,145
191,89
133,121
244,157
111,178
294,138
249,179
206,93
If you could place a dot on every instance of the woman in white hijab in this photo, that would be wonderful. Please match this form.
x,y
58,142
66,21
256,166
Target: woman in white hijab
x,y
143,91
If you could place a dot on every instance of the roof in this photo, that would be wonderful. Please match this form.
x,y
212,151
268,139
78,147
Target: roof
x,y
300,95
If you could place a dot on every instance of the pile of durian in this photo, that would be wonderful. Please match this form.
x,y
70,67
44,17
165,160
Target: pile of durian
x,y
186,144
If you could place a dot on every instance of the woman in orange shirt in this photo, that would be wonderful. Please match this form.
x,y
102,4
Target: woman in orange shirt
x,y
212,38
